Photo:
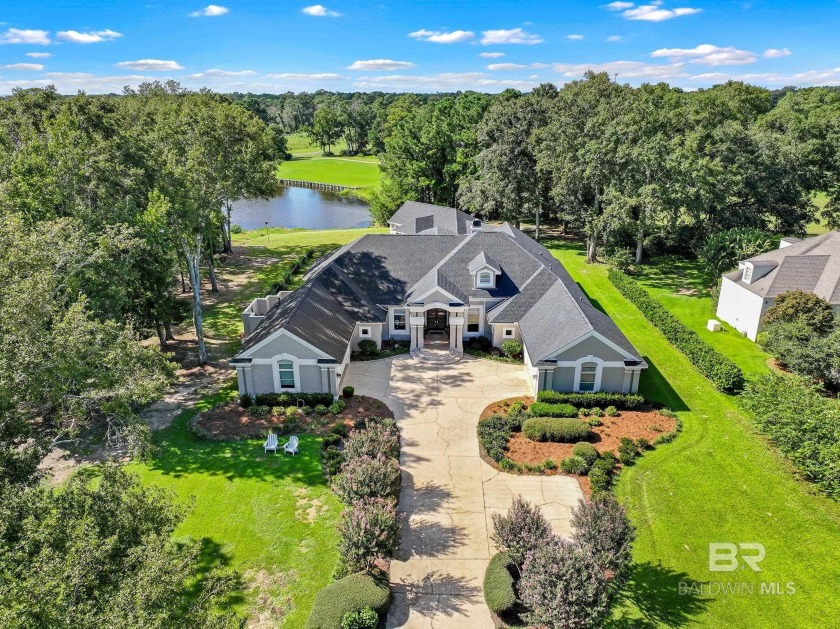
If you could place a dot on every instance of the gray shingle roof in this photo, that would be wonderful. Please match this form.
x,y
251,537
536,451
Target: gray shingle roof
x,y
414,217
355,282
811,265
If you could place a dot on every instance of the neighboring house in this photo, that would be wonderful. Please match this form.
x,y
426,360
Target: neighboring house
x,y
811,265
447,278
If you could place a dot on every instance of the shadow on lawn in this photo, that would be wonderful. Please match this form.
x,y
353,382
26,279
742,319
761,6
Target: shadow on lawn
x,y
673,274
654,591
212,557
656,388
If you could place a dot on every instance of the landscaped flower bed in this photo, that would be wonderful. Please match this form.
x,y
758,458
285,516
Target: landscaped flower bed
x,y
232,421
587,447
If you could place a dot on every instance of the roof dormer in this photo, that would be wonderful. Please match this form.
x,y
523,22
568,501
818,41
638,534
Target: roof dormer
x,y
484,270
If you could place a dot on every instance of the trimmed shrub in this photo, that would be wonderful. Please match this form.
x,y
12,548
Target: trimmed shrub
x,y
611,411
369,529
602,527
330,440
360,619
643,444
574,465
337,407
596,412
516,409
600,476
348,392
493,434
332,460
498,584
586,451
245,400
367,477
367,347
291,399
260,411
549,464
339,429
352,593
511,348
306,410
594,421
321,409
510,466
627,451
291,412
478,343
372,442
563,586
559,429
543,409
723,373
625,401
522,528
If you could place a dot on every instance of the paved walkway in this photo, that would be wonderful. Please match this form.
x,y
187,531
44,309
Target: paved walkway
x,y
448,492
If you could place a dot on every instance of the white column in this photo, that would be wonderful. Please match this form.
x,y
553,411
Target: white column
x,y
416,320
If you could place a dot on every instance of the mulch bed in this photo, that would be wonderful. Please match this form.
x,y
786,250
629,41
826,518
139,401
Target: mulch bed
x,y
231,421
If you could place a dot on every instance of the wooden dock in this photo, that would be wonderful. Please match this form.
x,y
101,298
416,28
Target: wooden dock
x,y
314,185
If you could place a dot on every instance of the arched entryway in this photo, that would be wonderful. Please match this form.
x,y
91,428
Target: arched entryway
x,y
437,326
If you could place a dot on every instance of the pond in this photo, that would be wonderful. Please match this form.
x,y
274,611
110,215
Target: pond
x,y
304,208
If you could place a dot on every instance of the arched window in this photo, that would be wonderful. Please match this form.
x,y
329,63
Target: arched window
x,y
287,374
588,373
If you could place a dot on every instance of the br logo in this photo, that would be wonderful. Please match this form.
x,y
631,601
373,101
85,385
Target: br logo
x,y
726,557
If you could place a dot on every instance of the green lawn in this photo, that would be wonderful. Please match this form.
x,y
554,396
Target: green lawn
x,y
342,171
717,482
679,286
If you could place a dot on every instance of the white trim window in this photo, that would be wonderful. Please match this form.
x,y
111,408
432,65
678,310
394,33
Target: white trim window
x,y
473,320
484,279
364,332
588,377
399,319
748,271
286,370
508,333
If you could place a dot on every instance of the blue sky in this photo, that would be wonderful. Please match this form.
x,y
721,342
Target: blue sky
x,y
396,45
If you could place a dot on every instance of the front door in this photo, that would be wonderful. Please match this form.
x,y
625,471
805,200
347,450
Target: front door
x,y
436,319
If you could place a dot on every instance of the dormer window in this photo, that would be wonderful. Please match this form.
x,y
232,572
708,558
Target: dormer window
x,y
485,279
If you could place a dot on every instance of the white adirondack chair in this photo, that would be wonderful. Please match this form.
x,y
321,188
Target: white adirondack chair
x,y
271,443
292,446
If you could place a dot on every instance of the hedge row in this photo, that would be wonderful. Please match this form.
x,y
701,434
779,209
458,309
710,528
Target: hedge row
x,y
286,281
498,584
624,401
562,429
543,409
291,399
494,432
803,424
723,373
353,592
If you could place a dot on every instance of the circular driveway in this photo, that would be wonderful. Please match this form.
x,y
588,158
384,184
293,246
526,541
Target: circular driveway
x,y
448,492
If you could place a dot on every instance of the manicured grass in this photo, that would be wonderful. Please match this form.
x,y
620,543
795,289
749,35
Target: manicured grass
x,y
679,285
271,517
717,482
342,171
818,227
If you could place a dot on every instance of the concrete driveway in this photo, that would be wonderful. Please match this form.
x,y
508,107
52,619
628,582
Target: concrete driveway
x,y
448,492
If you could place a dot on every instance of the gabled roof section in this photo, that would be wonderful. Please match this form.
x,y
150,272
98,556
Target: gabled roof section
x,y
484,260
811,265
414,217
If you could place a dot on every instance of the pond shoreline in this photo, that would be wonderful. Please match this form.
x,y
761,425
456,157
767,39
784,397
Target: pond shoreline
x,y
304,208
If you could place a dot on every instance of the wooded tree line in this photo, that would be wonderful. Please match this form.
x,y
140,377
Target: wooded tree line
x,y
651,169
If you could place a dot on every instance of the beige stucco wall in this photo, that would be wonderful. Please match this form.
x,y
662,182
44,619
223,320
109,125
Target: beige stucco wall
x,y
262,378
310,379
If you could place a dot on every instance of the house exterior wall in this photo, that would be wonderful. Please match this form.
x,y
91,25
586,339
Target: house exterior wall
x,y
740,308
612,380
310,379
497,333
388,331
590,346
375,334
284,344
262,376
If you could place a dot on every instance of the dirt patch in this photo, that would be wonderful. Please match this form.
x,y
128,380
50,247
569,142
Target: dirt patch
x,y
690,292
231,421
272,601
647,424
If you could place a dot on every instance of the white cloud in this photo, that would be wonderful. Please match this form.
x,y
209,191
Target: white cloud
x,y
447,81
380,64
624,69
509,36
25,36
653,12
615,38
226,73
807,78
39,55
709,55
211,10
495,67
319,10
491,55
31,67
442,37
90,37
156,65
574,37
772,53
298,76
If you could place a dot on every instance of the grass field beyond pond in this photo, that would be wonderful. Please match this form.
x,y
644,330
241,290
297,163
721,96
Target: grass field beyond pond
x,y
717,482
342,171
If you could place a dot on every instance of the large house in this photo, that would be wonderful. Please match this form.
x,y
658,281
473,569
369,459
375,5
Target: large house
x,y
439,278
811,265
